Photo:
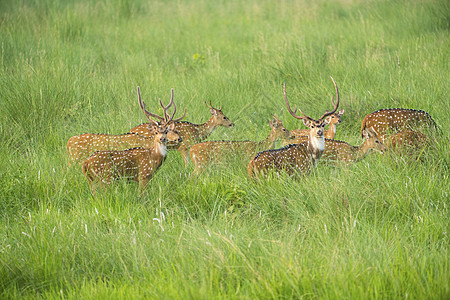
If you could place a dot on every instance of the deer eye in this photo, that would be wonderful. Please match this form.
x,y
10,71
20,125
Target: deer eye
x,y
284,129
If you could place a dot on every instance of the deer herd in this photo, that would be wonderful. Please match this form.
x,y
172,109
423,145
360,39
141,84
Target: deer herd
x,y
139,153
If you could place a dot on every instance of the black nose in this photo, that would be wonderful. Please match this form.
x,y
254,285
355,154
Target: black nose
x,y
319,132
162,139
180,140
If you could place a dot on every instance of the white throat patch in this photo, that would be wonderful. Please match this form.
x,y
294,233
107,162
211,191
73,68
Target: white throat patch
x,y
162,149
318,143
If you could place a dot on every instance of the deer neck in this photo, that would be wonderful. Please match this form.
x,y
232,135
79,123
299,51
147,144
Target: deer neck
x,y
207,128
331,132
159,152
316,145
363,149
269,142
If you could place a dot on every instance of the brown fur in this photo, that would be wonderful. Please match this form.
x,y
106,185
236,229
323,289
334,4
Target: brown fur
x,y
215,151
138,164
192,133
390,121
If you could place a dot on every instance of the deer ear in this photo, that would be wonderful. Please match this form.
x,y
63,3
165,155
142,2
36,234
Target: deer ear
x,y
153,129
306,122
341,112
171,126
213,111
326,121
372,131
365,134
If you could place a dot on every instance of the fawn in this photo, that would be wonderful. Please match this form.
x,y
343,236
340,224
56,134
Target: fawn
x,y
192,133
295,157
216,151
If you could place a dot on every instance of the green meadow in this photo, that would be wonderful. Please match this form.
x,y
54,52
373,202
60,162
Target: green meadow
x,y
378,229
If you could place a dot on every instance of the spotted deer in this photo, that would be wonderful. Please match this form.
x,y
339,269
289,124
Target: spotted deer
x,y
295,157
390,121
205,153
300,135
345,153
192,133
82,146
410,143
138,164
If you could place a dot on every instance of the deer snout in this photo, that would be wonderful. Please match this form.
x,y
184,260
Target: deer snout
x,y
231,125
319,132
179,140
163,139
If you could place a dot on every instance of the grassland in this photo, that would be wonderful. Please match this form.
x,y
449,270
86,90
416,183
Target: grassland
x,y
378,229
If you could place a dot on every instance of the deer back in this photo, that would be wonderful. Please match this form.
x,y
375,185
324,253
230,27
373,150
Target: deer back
x,y
82,146
344,152
339,151
290,159
137,164
409,142
205,152
386,121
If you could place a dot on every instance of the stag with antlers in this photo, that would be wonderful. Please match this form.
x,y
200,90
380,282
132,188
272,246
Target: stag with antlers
x,y
192,133
301,135
295,157
82,146
139,164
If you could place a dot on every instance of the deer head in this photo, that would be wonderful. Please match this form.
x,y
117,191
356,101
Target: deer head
x,y
371,141
278,130
172,136
315,136
218,116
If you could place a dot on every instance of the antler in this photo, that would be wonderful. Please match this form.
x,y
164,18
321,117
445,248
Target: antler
x,y
211,107
293,113
275,118
166,119
166,115
146,112
329,113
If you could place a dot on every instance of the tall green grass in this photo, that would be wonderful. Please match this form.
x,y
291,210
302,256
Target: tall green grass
x,y
377,229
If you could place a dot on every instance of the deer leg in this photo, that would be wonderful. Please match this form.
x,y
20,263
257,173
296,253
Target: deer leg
x,y
183,149
142,184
